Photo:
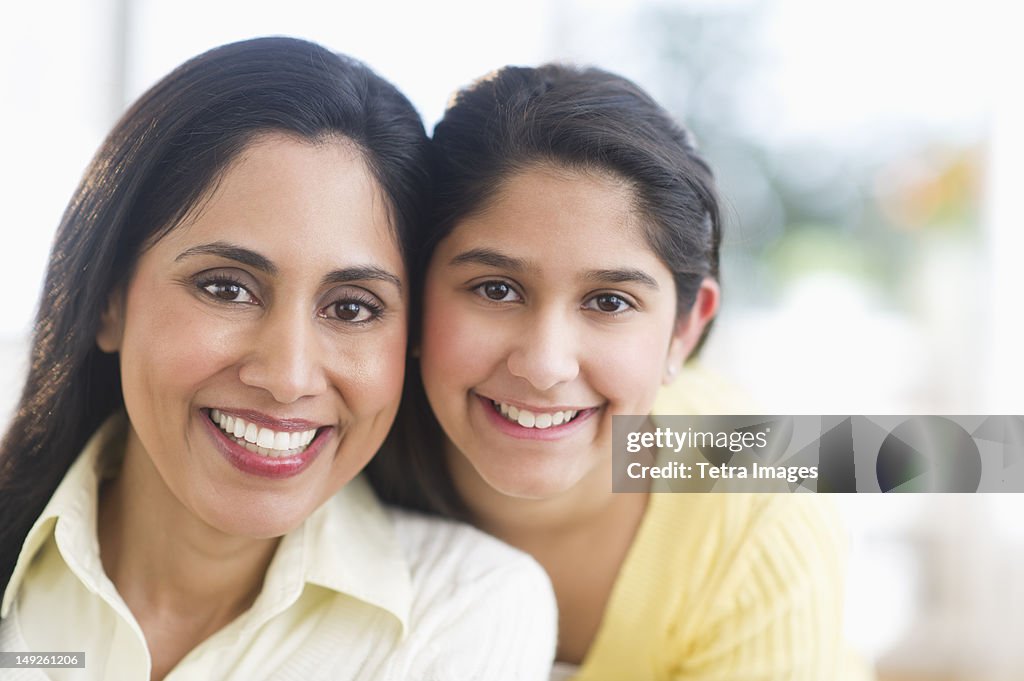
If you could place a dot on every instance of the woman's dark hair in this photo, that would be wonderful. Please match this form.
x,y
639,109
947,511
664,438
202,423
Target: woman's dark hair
x,y
519,118
159,162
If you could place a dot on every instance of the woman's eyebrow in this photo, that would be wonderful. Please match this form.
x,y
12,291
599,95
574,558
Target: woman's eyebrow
x,y
622,276
253,259
489,258
230,252
363,273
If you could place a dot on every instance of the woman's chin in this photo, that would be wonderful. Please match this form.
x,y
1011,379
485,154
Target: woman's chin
x,y
255,520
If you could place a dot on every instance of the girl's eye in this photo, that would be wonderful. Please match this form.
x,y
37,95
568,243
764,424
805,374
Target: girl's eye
x,y
352,311
608,303
498,291
228,291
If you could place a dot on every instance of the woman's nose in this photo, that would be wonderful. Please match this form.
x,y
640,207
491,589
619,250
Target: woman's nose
x,y
546,352
285,358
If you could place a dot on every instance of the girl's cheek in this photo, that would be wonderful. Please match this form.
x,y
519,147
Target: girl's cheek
x,y
627,369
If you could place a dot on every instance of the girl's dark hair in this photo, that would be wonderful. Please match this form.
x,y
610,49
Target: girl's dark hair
x,y
583,119
158,163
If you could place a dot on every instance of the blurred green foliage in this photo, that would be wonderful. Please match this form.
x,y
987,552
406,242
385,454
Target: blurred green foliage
x,y
803,206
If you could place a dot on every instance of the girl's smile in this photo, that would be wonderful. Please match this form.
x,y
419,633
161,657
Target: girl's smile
x,y
536,423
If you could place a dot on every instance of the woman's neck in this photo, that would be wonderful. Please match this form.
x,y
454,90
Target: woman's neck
x,y
182,579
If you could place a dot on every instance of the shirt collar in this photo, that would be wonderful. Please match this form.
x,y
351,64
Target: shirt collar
x,y
73,506
348,545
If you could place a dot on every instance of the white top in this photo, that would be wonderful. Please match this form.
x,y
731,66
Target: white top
x,y
563,671
356,592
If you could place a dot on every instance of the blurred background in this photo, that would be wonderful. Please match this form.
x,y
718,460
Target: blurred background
x,y
868,153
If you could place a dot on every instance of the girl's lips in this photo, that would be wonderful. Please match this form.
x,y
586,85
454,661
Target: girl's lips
x,y
521,432
266,466
533,408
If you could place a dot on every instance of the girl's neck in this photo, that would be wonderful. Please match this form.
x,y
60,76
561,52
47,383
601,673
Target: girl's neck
x,y
587,507
581,537
508,516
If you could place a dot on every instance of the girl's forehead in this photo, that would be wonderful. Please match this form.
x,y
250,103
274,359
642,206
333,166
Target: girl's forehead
x,y
557,216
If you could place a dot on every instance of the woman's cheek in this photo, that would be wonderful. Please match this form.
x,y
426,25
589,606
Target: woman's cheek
x,y
369,370
190,344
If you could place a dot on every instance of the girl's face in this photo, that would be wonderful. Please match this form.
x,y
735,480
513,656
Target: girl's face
x,y
262,340
546,314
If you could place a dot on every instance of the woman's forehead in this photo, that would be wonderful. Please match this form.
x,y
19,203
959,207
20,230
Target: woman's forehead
x,y
292,200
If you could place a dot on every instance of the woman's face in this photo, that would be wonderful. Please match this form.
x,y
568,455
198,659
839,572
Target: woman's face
x,y
546,314
262,341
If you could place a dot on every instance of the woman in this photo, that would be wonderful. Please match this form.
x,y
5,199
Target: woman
x,y
571,270
222,336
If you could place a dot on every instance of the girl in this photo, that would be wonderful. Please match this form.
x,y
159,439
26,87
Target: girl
x,y
572,268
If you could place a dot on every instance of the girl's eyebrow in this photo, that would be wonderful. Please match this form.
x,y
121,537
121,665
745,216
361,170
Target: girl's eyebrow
x,y
230,252
622,276
490,258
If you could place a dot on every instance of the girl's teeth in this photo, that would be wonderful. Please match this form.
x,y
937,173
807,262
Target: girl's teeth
x,y
262,441
528,419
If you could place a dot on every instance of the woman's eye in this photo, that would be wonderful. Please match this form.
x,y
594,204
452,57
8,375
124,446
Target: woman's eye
x,y
498,291
608,303
229,291
353,311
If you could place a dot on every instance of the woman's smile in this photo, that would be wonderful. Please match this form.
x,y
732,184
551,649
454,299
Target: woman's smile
x,y
256,444
276,438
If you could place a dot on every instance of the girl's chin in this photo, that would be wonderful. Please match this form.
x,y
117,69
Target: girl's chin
x,y
534,483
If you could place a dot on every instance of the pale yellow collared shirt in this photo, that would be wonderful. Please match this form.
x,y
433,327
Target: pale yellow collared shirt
x,y
356,592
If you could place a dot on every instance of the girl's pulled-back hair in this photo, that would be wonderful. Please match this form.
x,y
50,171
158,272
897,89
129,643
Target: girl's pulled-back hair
x,y
583,119
158,164
588,120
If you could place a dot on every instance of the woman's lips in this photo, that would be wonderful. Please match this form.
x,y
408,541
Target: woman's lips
x,y
276,437
272,454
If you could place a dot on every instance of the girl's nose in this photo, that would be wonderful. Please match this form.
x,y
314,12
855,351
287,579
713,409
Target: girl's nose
x,y
546,354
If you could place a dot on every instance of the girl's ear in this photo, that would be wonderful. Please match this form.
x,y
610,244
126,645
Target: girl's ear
x,y
111,330
690,326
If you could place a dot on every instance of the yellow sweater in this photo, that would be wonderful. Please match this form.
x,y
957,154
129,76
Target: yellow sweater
x,y
738,587
744,587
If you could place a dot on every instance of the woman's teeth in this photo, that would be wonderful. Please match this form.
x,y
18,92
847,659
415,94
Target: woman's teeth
x,y
529,419
262,441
